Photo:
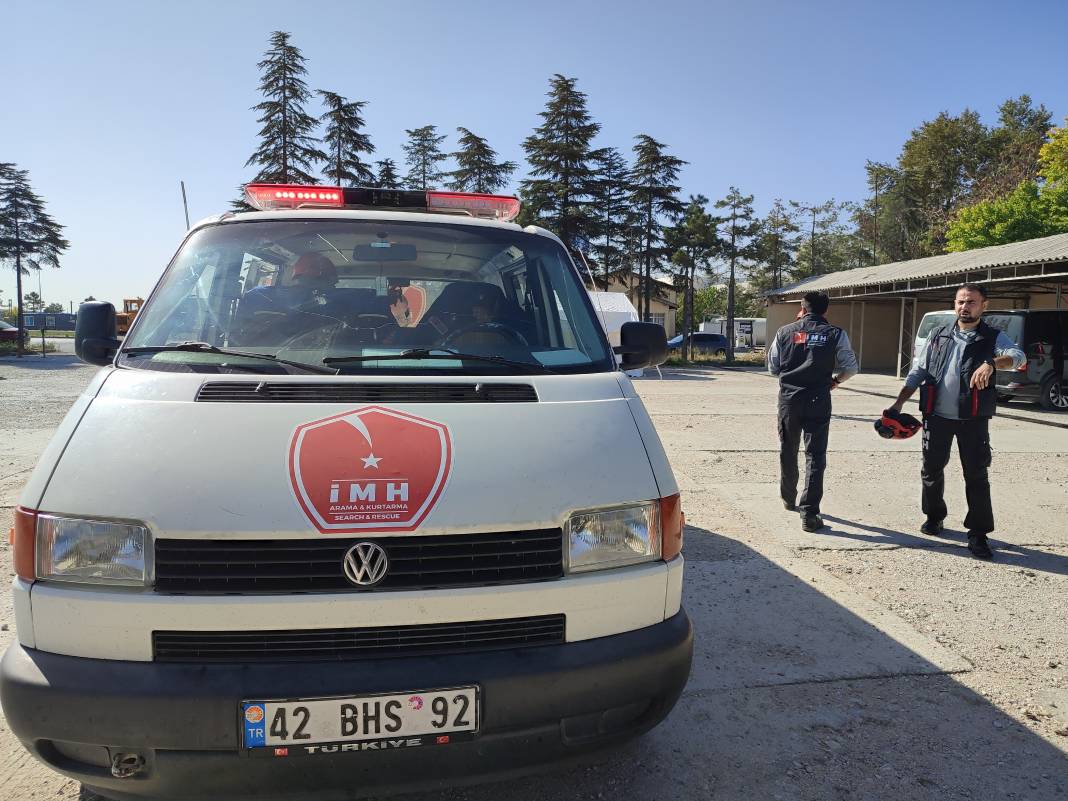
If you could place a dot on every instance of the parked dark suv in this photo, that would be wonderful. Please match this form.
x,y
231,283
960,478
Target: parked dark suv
x,y
715,344
1043,335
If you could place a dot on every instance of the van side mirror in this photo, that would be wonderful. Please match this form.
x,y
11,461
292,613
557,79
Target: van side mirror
x,y
95,338
642,345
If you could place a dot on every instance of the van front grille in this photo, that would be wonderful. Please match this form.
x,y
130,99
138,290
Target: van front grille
x,y
361,643
362,392
316,565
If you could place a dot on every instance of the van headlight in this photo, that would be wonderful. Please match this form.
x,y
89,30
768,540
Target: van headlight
x,y
606,538
91,551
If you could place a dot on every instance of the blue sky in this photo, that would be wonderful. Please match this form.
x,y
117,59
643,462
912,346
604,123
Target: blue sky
x,y
113,103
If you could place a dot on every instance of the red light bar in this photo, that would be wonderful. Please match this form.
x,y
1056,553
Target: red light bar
x,y
499,207
266,197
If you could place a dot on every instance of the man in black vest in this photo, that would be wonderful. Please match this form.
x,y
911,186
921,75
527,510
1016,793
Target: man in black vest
x,y
955,376
803,355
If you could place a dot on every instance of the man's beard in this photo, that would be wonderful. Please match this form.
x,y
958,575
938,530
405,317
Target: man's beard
x,y
965,317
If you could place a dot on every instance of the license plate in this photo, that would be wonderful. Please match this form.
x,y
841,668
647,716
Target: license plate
x,y
372,722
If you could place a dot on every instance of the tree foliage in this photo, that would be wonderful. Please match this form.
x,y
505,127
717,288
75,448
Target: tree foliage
x,y
1035,208
557,194
694,244
345,141
775,247
740,226
422,154
388,177
29,237
654,196
288,147
615,220
477,168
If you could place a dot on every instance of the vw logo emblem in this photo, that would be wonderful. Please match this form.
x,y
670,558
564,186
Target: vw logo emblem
x,y
365,564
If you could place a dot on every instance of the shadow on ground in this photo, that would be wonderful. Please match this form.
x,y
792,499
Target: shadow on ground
x,y
947,542
794,697
55,361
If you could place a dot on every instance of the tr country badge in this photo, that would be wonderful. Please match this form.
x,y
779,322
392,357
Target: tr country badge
x,y
371,469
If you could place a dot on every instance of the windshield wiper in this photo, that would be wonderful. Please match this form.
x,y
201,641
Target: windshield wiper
x,y
204,347
436,353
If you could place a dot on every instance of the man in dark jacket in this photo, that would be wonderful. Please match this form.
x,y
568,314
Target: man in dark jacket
x,y
804,355
958,396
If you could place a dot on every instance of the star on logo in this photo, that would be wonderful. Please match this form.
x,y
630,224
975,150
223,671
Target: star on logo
x,y
371,461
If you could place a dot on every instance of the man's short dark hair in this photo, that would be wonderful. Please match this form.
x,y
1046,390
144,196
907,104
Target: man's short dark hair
x,y
973,288
816,302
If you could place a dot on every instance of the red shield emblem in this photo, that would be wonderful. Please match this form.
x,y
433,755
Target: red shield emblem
x,y
800,338
372,469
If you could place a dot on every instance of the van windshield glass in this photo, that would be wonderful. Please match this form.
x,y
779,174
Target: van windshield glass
x,y
351,290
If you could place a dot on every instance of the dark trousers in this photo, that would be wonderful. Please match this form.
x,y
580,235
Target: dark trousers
x,y
807,416
973,443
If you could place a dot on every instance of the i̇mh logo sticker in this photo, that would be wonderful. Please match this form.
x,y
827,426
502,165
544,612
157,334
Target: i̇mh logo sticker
x,y
372,469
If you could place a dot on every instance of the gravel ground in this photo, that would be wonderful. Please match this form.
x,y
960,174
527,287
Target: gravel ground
x,y
864,662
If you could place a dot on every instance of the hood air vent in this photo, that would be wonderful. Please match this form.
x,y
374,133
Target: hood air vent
x,y
322,392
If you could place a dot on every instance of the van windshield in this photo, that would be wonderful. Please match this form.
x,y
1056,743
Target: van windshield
x,y
370,296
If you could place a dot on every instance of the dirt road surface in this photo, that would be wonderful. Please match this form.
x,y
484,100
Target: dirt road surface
x,y
866,661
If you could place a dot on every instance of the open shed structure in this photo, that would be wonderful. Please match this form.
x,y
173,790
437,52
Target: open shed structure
x,y
881,306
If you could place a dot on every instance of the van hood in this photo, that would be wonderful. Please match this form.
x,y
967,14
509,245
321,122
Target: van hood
x,y
151,448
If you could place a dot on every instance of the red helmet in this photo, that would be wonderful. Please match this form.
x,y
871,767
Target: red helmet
x,y
897,425
314,265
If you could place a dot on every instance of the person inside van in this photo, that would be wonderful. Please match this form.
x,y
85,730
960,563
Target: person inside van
x,y
956,378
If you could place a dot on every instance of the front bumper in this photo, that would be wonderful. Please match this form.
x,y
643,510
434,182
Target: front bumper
x,y
539,706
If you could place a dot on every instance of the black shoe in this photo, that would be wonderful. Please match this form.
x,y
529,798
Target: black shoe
x,y
811,522
931,527
789,506
978,545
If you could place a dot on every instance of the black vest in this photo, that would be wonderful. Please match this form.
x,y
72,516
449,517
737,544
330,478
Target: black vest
x,y
971,403
807,351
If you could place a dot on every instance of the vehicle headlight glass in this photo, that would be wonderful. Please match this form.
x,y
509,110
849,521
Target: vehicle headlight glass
x,y
608,538
91,551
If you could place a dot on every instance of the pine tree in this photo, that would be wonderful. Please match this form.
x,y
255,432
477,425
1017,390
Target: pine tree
x,y
477,167
738,248
561,167
610,190
422,153
387,175
776,248
29,237
288,147
654,195
345,141
693,243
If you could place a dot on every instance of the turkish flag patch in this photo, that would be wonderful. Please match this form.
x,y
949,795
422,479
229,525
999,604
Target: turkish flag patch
x,y
800,337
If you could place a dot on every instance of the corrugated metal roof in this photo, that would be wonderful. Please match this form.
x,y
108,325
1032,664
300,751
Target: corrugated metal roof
x,y
1044,250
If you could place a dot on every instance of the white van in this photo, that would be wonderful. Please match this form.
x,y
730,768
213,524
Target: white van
x,y
353,508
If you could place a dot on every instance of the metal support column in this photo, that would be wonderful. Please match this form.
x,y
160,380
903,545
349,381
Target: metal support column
x,y
906,335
